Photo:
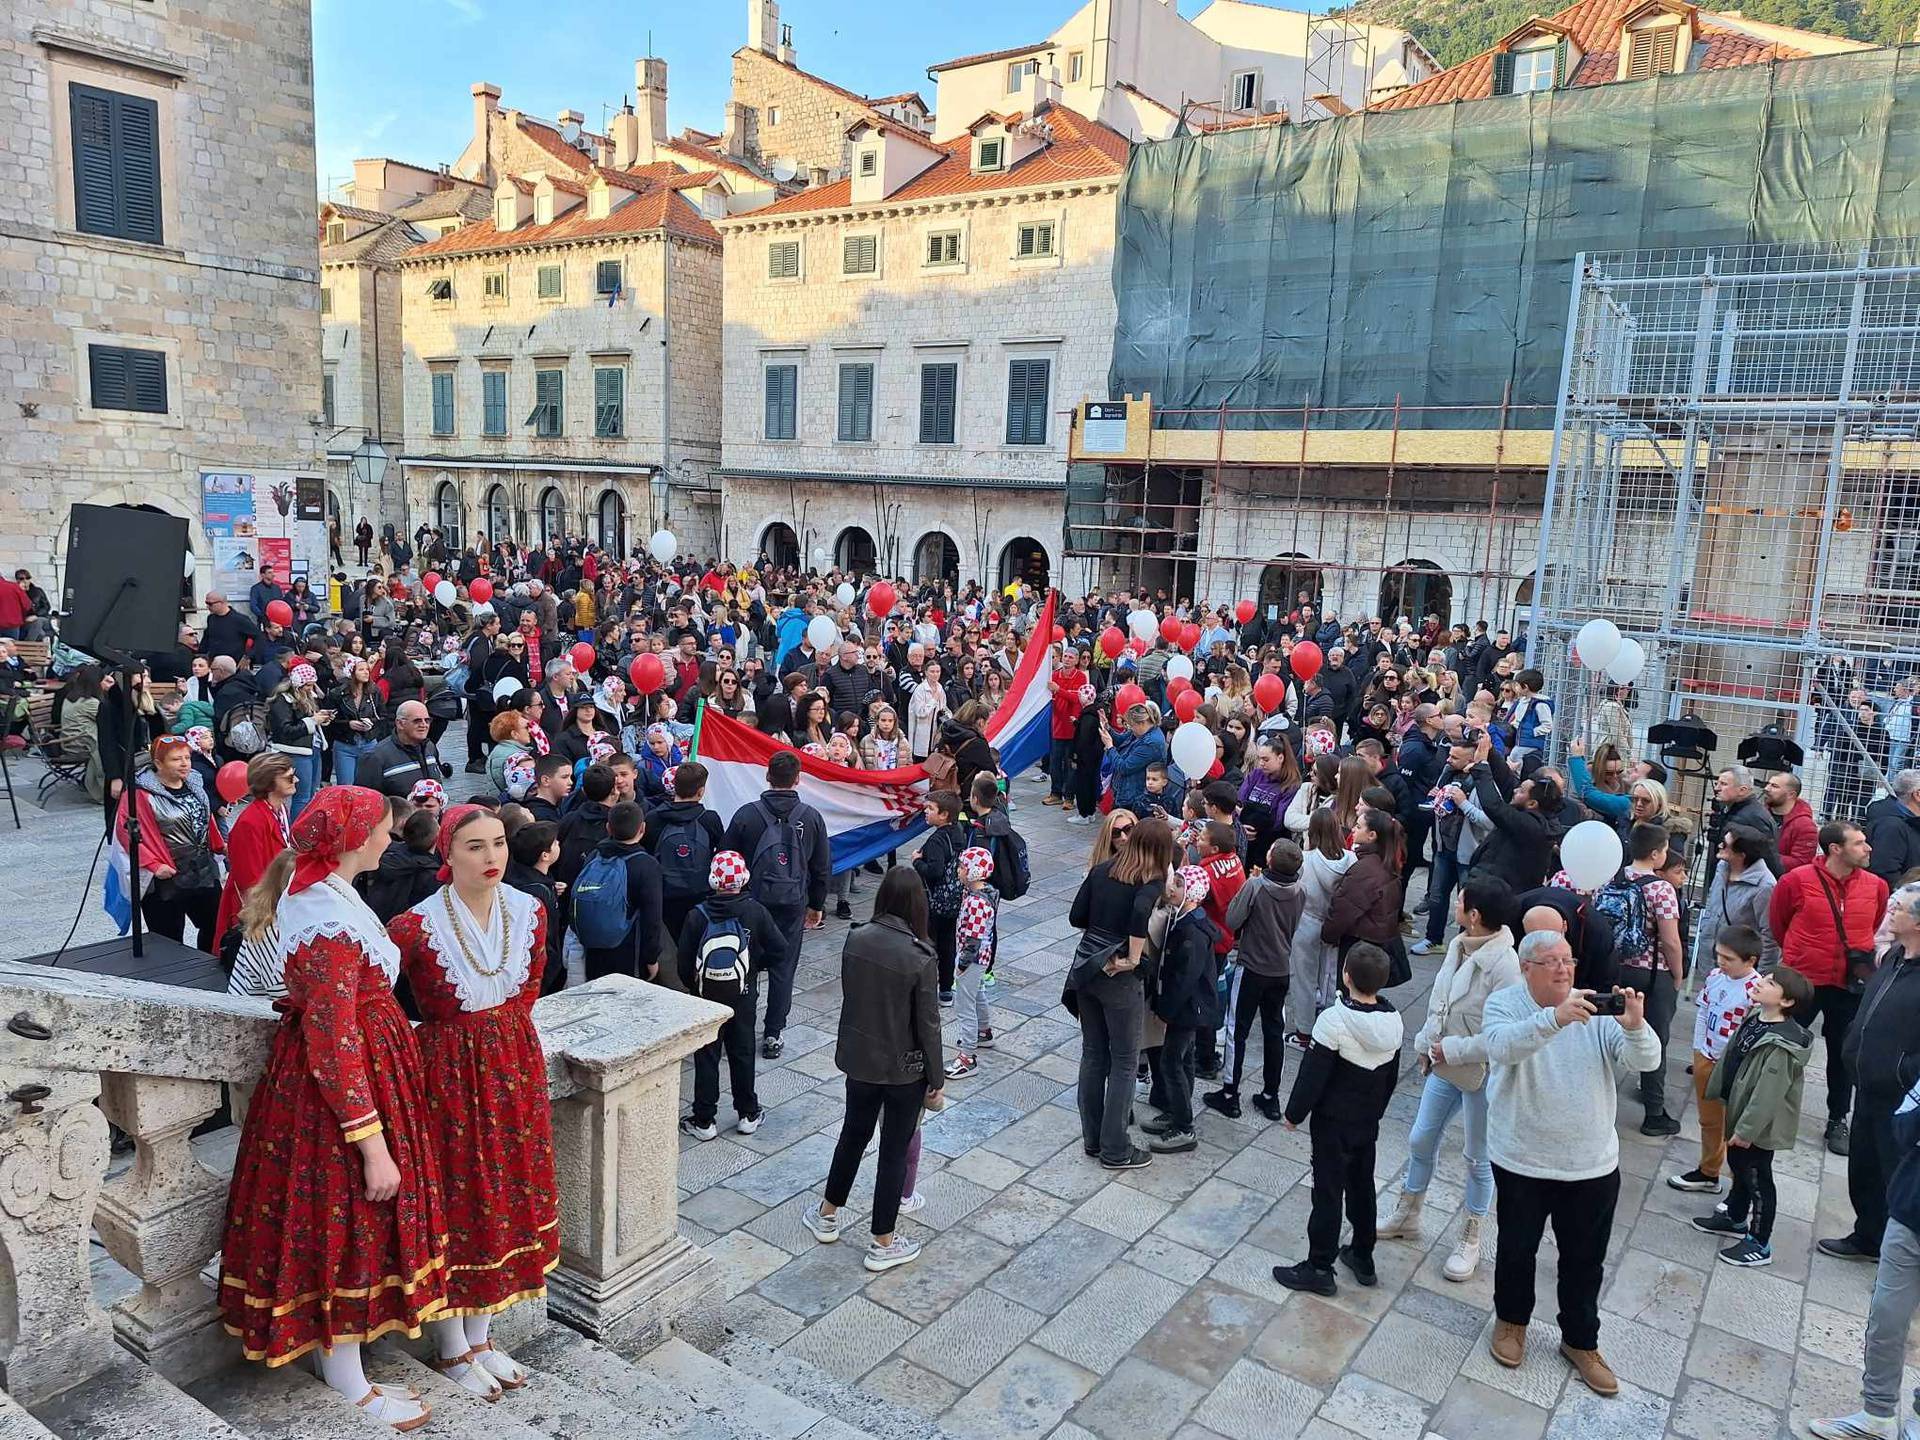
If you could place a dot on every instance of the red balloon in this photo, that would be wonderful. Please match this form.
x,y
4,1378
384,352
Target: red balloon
x,y
647,673
1170,629
430,581
1306,659
481,590
231,780
582,657
1177,687
1269,691
1112,642
279,612
1059,633
1189,636
1187,704
881,599
1126,697
1137,645
1245,611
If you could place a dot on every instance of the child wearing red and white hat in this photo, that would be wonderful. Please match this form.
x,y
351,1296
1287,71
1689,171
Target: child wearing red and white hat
x,y
725,940
974,933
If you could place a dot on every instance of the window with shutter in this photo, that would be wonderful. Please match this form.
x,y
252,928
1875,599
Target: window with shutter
x,y
116,164
440,289
326,300
326,397
1027,385
609,401
869,162
859,255
1503,73
493,285
606,278
782,408
443,402
939,393
1035,239
493,402
943,248
124,379
549,404
1651,51
549,282
783,260
856,402
990,153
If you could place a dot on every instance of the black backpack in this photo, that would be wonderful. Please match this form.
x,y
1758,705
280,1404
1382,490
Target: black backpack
x,y
777,870
1012,874
685,853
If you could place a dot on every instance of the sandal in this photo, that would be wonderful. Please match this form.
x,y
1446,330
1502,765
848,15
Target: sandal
x,y
398,1411
501,1366
471,1376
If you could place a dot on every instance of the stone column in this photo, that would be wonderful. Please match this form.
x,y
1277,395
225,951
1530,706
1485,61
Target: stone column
x,y
625,1274
162,1219
51,1164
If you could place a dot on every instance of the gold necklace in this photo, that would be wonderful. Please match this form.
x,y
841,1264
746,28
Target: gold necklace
x,y
460,935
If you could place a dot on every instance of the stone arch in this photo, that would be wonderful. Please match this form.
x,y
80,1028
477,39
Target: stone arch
x,y
496,514
1284,578
449,510
610,521
781,545
855,550
1024,558
1416,589
553,515
936,556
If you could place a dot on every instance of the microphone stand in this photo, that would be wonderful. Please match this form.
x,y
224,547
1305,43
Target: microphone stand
x,y
131,718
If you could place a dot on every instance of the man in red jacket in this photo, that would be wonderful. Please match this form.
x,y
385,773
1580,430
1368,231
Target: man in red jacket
x,y
16,609
1798,842
1819,912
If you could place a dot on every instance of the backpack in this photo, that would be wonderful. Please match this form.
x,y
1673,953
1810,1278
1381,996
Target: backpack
x,y
244,728
1623,900
1012,875
600,902
778,874
685,851
943,890
724,962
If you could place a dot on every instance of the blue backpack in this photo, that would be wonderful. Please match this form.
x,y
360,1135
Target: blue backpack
x,y
600,902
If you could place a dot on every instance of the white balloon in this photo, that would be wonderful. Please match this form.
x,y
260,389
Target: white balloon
x,y
445,593
1143,625
1627,663
189,569
1590,854
1193,749
663,547
822,632
844,595
1179,667
1598,642
506,686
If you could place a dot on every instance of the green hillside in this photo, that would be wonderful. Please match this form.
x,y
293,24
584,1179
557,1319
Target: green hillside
x,y
1457,29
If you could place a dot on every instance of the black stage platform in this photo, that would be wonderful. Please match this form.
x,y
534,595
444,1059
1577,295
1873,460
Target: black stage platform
x,y
165,962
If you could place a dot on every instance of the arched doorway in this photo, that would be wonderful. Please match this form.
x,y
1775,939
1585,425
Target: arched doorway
x,y
780,545
1023,559
936,557
854,551
499,515
1415,589
1285,580
446,513
612,517
553,516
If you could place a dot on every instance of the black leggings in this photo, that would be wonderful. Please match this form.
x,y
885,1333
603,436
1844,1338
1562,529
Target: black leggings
x,y
1263,997
896,1108
1750,1201
946,944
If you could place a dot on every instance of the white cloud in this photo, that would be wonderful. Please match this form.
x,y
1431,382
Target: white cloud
x,y
468,10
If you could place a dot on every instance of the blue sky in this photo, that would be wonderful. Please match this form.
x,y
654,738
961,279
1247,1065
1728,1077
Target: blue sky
x,y
391,77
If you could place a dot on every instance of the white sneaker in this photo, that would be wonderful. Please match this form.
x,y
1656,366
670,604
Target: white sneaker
x,y
747,1124
913,1204
1465,1258
1422,947
897,1251
1857,1426
691,1126
825,1228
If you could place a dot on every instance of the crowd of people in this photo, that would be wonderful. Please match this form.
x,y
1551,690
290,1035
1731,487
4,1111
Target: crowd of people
x,y
1273,883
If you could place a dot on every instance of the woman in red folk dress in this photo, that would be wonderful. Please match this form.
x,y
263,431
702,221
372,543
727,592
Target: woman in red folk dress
x,y
335,1232
473,954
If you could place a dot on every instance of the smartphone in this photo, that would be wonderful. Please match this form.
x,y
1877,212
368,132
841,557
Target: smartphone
x,y
1612,1003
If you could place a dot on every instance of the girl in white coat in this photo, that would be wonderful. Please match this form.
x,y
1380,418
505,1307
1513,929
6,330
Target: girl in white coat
x,y
1327,859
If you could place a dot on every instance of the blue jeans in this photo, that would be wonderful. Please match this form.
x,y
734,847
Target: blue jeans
x,y
346,760
1438,1100
306,771
1060,767
1442,876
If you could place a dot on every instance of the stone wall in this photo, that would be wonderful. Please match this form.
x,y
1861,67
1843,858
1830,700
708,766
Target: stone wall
x,y
230,297
813,117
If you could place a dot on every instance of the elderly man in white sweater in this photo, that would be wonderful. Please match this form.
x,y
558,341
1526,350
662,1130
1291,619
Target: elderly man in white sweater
x,y
1550,1134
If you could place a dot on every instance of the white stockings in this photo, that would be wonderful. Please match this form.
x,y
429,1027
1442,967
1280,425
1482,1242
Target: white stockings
x,y
458,1362
343,1370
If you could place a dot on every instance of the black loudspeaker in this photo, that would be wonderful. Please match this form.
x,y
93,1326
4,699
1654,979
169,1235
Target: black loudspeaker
x,y
122,583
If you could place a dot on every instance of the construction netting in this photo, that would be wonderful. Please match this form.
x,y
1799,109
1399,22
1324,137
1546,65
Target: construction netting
x,y
1425,255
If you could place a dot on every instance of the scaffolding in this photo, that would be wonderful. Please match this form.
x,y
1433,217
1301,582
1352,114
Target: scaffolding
x,y
1339,51
1736,484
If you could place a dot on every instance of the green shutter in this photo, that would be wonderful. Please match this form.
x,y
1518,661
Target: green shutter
x,y
856,402
939,387
782,396
1503,73
442,403
493,401
1027,402
1562,55
549,402
116,163
609,401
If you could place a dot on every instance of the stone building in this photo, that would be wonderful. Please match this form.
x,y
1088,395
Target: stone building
x,y
159,268
902,346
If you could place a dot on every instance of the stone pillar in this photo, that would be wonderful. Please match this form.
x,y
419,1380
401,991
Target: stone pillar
x,y
625,1274
162,1219
52,1334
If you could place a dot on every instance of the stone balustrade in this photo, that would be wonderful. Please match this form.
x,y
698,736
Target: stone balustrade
x,y
77,1050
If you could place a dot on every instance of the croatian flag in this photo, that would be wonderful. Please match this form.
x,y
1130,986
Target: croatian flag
x,y
869,812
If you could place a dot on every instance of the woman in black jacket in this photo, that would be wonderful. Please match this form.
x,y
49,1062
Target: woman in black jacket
x,y
1186,998
963,738
1365,904
889,1049
356,718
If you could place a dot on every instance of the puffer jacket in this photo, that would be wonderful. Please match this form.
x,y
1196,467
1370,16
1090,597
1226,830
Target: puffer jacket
x,y
1475,967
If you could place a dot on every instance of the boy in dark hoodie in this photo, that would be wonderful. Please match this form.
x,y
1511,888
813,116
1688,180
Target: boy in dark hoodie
x,y
938,863
585,823
1088,748
684,836
1264,913
636,950
1186,998
531,853
552,784
1344,1084
408,872
725,904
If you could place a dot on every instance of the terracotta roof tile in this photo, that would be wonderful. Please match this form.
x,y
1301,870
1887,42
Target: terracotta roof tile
x,y
1594,28
903,98
1081,149
555,144
656,208
714,159
355,212
1245,122
1008,54
566,184
468,201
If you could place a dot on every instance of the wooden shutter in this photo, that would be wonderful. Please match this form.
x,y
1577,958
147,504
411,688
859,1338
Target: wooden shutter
x,y
1562,62
859,255
493,400
1027,402
549,402
856,402
783,260
609,401
939,393
442,403
781,418
1503,73
116,164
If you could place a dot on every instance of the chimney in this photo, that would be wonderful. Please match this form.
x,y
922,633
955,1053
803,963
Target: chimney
x,y
786,45
763,25
733,139
486,100
1046,84
817,176
570,122
626,137
650,76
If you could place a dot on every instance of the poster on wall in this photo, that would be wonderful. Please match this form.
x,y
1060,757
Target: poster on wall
x,y
226,514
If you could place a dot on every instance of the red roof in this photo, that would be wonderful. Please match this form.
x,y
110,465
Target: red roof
x,y
1081,149
658,207
965,60
1594,28
551,141
903,98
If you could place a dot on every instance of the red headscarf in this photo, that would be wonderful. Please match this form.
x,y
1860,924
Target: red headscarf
x,y
336,822
451,820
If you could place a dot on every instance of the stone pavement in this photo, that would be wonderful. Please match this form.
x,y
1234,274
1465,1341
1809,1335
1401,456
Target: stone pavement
x,y
1056,1300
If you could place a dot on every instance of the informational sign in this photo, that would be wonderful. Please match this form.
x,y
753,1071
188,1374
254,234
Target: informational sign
x,y
226,514
1104,431
310,502
262,519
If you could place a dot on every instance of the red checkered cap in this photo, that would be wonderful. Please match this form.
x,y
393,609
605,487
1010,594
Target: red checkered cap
x,y
976,863
728,872
1192,881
